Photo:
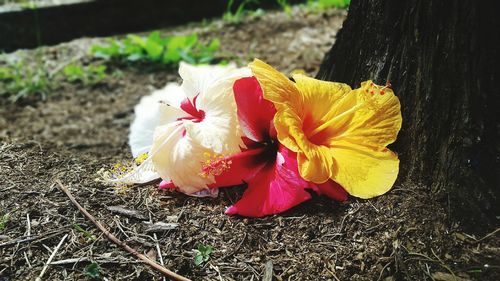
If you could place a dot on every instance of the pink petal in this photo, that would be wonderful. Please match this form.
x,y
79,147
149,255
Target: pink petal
x,y
231,210
254,112
242,167
166,184
332,190
277,188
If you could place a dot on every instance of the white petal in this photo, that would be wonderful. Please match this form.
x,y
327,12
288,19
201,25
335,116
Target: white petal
x,y
177,157
147,116
196,79
219,133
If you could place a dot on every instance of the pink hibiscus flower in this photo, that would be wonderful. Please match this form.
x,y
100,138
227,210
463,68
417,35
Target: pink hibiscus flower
x,y
268,168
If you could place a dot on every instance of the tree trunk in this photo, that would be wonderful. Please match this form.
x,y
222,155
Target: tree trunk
x,y
442,59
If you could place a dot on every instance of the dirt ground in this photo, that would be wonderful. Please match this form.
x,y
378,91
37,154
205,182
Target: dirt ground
x,y
77,131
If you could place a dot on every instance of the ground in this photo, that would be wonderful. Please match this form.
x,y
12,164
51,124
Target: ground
x,y
403,235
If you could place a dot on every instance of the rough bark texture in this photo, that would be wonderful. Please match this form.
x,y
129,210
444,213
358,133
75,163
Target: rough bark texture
x,y
442,59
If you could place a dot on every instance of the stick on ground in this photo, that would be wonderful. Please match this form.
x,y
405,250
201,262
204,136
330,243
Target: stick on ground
x,y
115,240
39,278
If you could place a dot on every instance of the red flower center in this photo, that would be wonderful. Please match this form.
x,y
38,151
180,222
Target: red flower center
x,y
190,108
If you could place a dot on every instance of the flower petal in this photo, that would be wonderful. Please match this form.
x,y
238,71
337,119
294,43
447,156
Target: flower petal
x,y
255,114
147,117
198,79
220,134
276,86
377,123
177,157
316,163
241,167
296,124
219,130
362,171
332,190
277,188
322,101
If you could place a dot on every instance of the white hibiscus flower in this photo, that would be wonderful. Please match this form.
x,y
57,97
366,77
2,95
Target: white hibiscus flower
x,y
194,123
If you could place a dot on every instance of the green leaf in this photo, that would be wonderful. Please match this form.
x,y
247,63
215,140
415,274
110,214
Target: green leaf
x,y
202,254
92,270
135,57
166,50
198,259
153,49
137,40
214,45
5,73
190,40
155,37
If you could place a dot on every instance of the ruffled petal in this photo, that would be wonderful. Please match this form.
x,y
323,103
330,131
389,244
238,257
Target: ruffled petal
x,y
218,133
276,86
177,157
277,188
147,117
322,102
208,129
219,130
316,163
314,160
255,114
198,79
378,120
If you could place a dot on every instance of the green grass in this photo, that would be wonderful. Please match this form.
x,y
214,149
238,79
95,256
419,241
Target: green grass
x,y
285,6
85,233
18,80
168,51
326,4
237,15
87,75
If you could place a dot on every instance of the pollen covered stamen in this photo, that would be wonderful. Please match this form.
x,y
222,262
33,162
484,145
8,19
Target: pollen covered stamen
x,y
214,165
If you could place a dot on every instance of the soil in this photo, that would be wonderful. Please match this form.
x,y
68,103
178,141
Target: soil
x,y
403,235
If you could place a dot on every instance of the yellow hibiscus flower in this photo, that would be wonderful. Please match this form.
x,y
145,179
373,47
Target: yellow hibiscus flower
x,y
338,133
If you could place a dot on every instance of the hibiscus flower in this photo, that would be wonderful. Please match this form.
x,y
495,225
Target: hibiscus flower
x,y
267,167
337,133
192,123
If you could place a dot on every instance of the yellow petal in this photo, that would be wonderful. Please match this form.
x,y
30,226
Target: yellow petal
x,y
325,104
316,164
315,161
276,87
364,172
364,166
378,121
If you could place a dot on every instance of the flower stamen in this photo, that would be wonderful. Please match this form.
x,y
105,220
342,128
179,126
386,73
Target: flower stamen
x,y
214,165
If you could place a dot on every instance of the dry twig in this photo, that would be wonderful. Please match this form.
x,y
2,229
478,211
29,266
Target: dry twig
x,y
44,269
115,240
488,235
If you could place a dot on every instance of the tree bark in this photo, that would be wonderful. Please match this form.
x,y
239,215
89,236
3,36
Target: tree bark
x,y
442,59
